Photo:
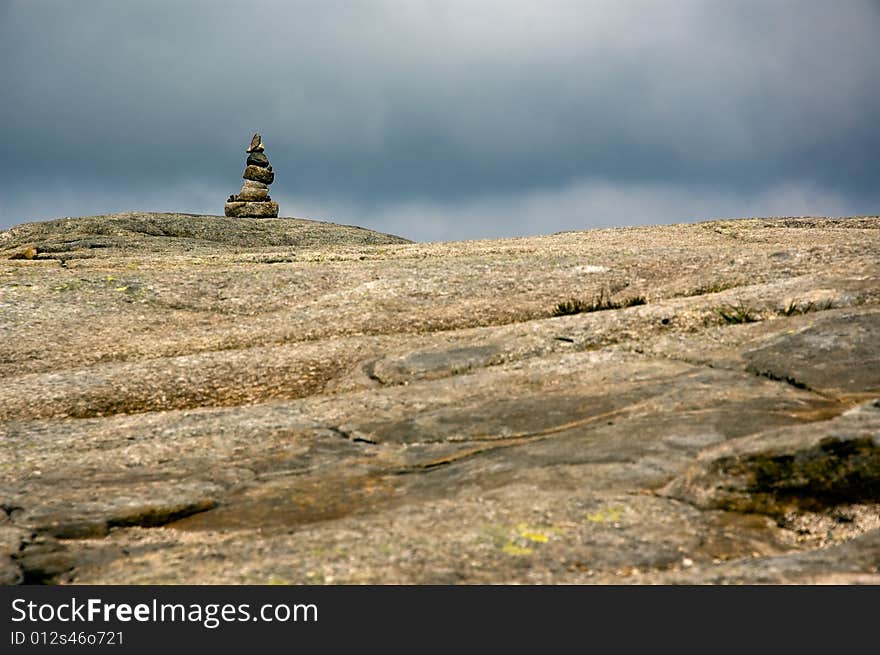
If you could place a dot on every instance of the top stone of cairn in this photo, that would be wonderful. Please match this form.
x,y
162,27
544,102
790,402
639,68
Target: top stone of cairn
x,y
256,144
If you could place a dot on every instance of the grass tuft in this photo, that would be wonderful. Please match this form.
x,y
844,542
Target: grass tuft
x,y
795,308
599,303
737,315
711,287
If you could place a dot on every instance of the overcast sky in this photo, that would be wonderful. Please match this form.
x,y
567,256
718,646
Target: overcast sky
x,y
445,119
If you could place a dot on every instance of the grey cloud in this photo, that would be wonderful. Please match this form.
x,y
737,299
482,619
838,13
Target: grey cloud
x,y
585,205
371,107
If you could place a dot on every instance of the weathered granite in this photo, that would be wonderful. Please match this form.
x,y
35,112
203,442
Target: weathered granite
x,y
296,402
803,358
809,467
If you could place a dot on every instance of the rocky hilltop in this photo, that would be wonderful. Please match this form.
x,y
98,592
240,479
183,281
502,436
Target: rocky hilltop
x,y
193,399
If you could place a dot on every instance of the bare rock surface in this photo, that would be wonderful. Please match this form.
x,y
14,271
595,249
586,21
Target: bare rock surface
x,y
137,233
192,399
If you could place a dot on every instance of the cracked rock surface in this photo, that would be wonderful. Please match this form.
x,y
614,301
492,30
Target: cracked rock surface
x,y
194,399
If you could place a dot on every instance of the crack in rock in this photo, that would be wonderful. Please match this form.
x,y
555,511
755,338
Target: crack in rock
x,y
145,517
349,435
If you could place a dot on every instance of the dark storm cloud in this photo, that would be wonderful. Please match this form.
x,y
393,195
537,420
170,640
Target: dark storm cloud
x,y
444,119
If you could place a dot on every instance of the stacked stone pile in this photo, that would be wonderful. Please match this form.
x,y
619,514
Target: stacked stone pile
x,y
253,200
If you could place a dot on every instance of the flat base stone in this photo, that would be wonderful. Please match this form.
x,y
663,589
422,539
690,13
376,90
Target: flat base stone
x,y
252,209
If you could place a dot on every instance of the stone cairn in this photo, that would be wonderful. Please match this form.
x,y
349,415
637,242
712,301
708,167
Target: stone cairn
x,y
253,200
